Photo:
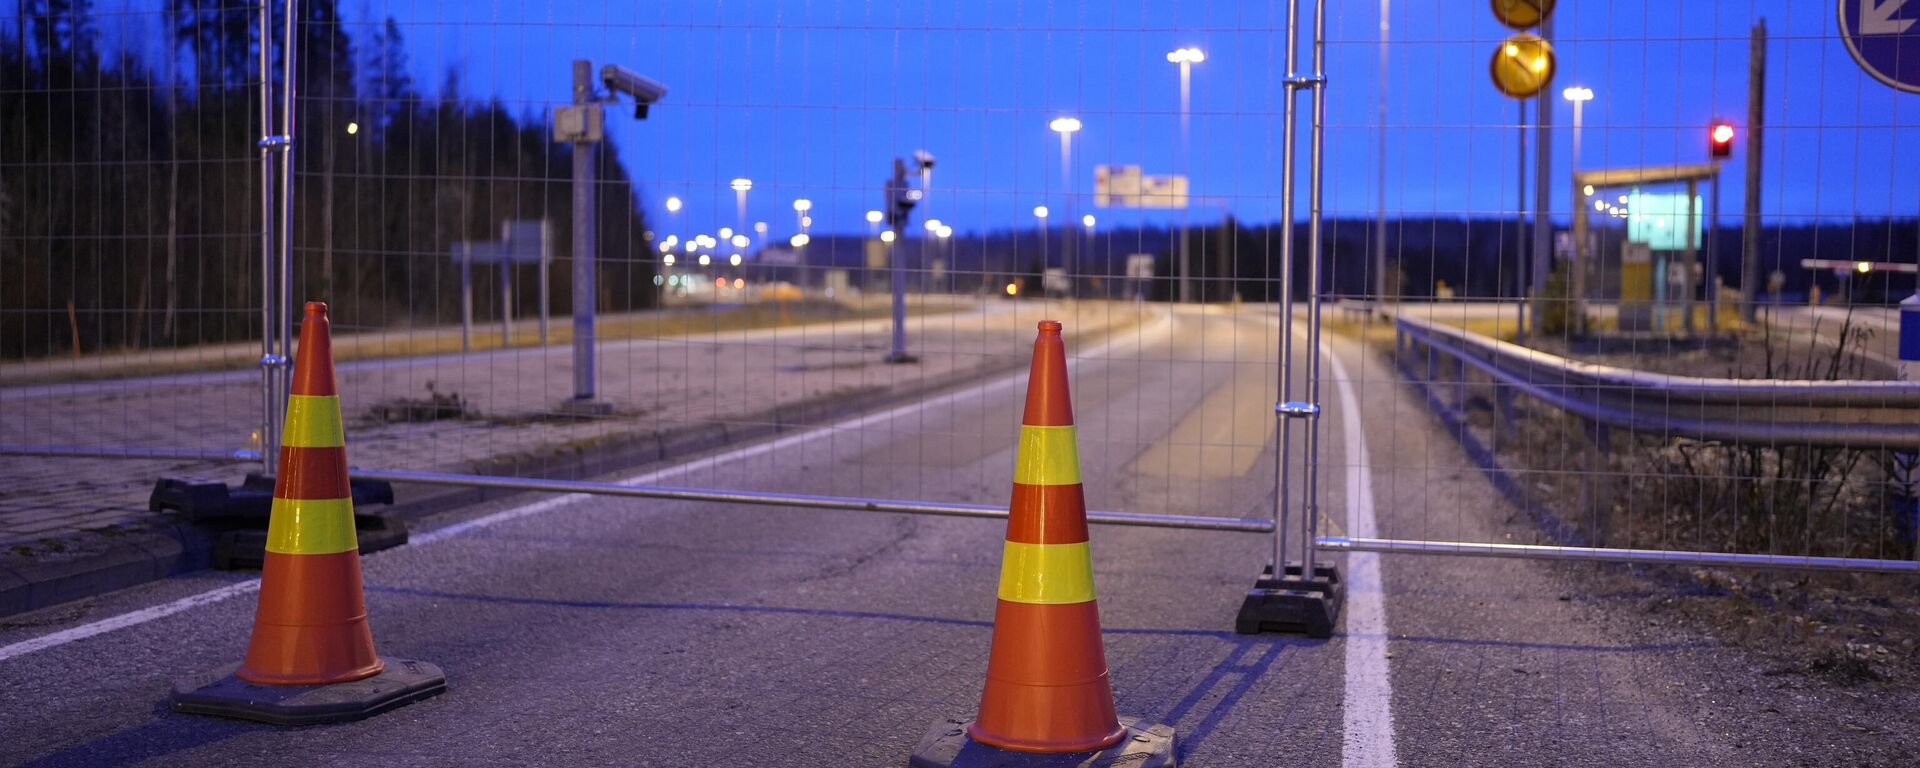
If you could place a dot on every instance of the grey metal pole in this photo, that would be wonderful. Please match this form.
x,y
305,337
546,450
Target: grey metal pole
x,y
269,362
506,303
289,67
1712,278
1542,191
546,262
1186,169
1750,208
1316,182
584,292
896,253
1380,220
1689,257
466,297
1527,303
1282,471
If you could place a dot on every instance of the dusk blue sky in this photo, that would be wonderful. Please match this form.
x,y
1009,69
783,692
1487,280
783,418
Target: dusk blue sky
x,y
813,98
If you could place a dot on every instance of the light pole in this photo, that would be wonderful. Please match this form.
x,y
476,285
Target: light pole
x,y
1040,215
740,187
1066,127
1579,96
800,208
1380,191
1186,58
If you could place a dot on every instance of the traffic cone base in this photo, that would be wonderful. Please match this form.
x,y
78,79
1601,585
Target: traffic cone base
x,y
223,694
1141,745
310,658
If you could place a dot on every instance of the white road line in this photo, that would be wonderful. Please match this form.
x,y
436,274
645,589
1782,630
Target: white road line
x,y
1146,335
125,620
1367,730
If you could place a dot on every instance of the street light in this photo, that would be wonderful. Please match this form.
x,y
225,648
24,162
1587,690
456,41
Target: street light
x,y
1087,221
740,187
1066,127
1579,96
1186,58
1040,212
933,225
673,205
800,208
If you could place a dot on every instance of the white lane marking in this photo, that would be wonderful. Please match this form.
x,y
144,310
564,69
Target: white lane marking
x,y
1367,730
124,620
1149,334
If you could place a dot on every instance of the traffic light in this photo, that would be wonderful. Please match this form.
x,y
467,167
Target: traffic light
x,y
1720,140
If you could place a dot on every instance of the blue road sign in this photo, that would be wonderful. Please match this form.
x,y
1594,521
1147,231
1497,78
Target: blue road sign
x,y
1884,37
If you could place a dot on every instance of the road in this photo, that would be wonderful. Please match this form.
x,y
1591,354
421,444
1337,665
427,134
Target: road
x,y
594,631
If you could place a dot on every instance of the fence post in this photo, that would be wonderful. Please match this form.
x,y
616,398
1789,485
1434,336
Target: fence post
x,y
1596,492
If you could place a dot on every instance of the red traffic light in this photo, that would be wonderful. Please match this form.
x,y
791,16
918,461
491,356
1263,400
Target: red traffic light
x,y
1720,140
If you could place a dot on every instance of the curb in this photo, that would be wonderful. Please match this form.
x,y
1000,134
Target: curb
x,y
171,547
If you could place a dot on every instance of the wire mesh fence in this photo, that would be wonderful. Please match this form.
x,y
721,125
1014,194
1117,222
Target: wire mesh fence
x,y
1724,231
1120,167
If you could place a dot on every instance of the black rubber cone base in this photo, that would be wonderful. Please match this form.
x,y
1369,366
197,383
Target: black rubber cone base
x,y
901,358
221,694
947,745
1292,604
247,549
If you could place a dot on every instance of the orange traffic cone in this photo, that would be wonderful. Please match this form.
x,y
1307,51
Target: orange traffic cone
x,y
1047,689
310,630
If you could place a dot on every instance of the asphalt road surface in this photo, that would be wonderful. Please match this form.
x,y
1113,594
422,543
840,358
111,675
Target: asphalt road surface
x,y
596,631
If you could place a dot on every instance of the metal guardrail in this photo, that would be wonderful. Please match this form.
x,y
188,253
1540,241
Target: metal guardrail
x,y
1881,414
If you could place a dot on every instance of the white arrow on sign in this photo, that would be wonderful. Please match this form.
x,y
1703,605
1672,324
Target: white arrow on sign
x,y
1876,18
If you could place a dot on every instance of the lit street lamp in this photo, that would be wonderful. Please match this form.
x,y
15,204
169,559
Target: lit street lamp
x,y
800,208
673,205
1066,127
1579,96
740,187
1186,58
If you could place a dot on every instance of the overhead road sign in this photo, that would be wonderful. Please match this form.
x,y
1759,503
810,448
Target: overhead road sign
x,y
1125,186
1884,38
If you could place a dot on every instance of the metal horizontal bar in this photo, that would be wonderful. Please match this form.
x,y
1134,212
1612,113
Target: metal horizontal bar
x,y
806,501
1611,555
96,452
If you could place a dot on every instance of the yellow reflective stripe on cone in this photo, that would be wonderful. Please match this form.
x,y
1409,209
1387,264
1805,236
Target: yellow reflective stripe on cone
x,y
311,527
1046,573
1048,456
313,421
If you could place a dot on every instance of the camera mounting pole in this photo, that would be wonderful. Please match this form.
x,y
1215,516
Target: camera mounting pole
x,y
582,124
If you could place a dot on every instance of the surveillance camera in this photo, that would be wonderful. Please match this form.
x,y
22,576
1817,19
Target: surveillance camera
x,y
643,89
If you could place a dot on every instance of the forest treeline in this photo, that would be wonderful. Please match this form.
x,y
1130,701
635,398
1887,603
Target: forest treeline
x,y
130,185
